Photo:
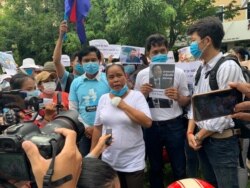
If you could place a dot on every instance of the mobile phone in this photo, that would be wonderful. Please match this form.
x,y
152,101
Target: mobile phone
x,y
109,140
215,104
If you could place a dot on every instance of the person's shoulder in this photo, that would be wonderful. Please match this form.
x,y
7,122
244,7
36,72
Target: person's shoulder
x,y
144,71
77,81
136,93
104,97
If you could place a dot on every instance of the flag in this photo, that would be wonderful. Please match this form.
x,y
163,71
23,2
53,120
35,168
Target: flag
x,y
76,11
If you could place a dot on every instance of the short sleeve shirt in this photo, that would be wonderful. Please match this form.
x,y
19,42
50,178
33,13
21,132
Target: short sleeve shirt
x,y
86,94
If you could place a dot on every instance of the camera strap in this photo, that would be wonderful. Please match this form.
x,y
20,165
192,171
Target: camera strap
x,y
47,183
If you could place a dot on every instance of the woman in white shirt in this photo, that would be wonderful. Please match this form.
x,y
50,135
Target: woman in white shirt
x,y
124,111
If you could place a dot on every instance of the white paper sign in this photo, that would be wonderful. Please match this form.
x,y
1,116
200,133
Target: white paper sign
x,y
65,60
158,93
7,61
10,71
171,57
99,43
112,49
106,48
189,69
161,76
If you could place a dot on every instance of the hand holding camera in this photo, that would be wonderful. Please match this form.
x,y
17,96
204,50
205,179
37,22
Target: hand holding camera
x,y
69,155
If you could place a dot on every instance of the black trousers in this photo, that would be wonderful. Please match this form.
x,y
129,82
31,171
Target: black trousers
x,y
131,179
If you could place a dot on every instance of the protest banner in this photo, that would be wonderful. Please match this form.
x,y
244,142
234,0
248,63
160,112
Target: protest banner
x,y
161,76
131,54
185,55
106,48
189,69
7,61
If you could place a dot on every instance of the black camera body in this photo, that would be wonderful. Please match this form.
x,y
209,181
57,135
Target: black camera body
x,y
13,161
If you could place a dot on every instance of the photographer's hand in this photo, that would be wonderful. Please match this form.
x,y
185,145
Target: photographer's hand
x,y
68,161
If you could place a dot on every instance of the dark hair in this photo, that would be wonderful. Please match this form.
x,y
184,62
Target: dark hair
x,y
87,51
242,53
108,66
16,82
96,173
155,40
209,26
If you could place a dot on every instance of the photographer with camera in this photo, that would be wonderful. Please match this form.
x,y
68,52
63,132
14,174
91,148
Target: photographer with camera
x,y
68,161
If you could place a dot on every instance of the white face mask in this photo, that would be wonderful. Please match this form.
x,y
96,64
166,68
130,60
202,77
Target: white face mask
x,y
49,87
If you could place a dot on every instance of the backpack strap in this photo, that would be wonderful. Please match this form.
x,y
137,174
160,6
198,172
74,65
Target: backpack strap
x,y
68,83
198,75
213,72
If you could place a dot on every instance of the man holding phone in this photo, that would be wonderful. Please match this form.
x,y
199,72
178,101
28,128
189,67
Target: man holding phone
x,y
214,139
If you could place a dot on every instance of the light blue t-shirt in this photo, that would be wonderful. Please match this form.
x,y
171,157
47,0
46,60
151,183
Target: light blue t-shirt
x,y
63,80
86,94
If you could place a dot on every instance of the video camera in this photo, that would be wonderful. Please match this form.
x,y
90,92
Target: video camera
x,y
14,101
14,163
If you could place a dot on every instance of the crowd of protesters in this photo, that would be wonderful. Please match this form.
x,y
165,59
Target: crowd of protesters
x,y
117,97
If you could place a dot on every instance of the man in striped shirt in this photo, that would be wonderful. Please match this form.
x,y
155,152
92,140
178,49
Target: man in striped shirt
x,y
214,139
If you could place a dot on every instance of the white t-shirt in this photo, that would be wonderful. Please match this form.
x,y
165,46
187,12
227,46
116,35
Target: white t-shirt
x,y
127,152
180,82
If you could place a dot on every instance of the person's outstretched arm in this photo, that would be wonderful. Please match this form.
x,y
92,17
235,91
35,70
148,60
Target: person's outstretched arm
x,y
58,50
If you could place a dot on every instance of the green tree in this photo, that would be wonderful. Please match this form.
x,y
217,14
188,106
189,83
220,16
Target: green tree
x,y
30,27
131,21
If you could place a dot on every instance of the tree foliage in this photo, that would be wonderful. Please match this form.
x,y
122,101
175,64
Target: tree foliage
x,y
30,27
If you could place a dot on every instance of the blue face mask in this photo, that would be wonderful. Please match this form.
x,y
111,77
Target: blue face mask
x,y
29,71
195,50
91,67
129,69
79,69
120,92
160,58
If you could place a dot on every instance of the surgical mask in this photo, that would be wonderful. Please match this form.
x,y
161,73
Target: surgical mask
x,y
195,50
91,67
49,87
29,71
129,69
121,92
160,58
79,68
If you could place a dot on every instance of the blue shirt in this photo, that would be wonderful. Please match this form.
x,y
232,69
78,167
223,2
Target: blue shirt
x,y
86,93
63,80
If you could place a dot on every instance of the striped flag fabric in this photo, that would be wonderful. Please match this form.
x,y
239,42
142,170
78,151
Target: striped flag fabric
x,y
76,11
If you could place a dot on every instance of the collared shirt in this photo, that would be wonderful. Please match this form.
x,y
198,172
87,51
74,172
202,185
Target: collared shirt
x,y
229,71
85,94
165,113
